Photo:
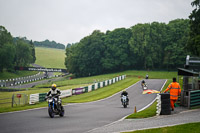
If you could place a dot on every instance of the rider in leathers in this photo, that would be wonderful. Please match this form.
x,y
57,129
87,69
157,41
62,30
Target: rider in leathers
x,y
125,93
54,92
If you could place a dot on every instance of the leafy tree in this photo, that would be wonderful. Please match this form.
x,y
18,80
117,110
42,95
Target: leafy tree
x,y
139,45
71,60
84,58
23,53
69,45
143,46
178,34
116,54
7,56
5,37
49,44
32,51
194,41
7,50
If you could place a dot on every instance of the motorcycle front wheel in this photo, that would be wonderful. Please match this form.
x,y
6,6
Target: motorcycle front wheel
x,y
125,105
51,113
62,112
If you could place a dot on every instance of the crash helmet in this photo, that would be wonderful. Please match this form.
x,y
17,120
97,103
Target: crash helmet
x,y
53,87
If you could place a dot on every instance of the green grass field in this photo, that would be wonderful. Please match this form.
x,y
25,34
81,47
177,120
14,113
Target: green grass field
x,y
9,75
132,77
50,58
184,128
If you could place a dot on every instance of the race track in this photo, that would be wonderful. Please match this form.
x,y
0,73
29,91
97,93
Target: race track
x,y
79,118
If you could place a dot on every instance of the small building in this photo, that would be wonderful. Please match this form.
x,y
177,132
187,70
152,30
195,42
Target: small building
x,y
189,78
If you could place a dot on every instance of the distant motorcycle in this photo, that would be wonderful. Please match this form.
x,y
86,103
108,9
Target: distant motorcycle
x,y
124,100
145,87
55,106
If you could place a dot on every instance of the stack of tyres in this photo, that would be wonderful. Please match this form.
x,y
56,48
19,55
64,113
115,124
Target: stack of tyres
x,y
165,104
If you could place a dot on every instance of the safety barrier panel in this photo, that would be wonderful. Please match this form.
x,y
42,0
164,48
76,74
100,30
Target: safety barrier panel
x,y
42,97
158,106
194,98
66,93
39,97
34,98
18,81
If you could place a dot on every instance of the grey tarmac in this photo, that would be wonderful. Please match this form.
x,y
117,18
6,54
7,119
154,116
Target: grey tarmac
x,y
182,116
82,117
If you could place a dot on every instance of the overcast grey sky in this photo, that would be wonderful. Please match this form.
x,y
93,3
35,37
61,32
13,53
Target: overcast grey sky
x,y
68,21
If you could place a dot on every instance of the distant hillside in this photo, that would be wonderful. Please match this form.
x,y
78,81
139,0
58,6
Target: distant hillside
x,y
50,57
49,44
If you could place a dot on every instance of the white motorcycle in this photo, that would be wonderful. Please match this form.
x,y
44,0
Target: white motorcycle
x,y
124,100
145,87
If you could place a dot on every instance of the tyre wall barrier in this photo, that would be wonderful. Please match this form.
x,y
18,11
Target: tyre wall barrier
x,y
194,98
39,97
165,104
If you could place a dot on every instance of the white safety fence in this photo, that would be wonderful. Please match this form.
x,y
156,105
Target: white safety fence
x,y
158,106
66,93
34,98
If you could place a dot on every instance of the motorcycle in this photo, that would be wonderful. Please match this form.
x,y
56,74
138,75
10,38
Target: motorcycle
x,y
55,106
145,87
124,100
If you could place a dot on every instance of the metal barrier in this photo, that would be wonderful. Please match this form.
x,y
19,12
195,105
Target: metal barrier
x,y
6,101
194,98
19,99
15,100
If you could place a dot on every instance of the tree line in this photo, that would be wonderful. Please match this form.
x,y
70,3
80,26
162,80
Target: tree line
x,y
194,40
49,44
149,46
14,51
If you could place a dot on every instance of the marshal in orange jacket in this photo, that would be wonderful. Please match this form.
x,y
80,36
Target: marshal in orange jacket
x,y
175,90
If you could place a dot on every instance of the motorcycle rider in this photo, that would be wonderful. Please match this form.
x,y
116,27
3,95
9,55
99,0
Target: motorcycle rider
x,y
125,93
147,76
143,83
54,92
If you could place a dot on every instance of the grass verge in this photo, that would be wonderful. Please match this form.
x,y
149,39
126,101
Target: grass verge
x,y
184,128
149,112
8,75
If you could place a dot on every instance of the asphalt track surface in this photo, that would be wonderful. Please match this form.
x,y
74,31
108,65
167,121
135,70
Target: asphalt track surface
x,y
180,116
79,118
